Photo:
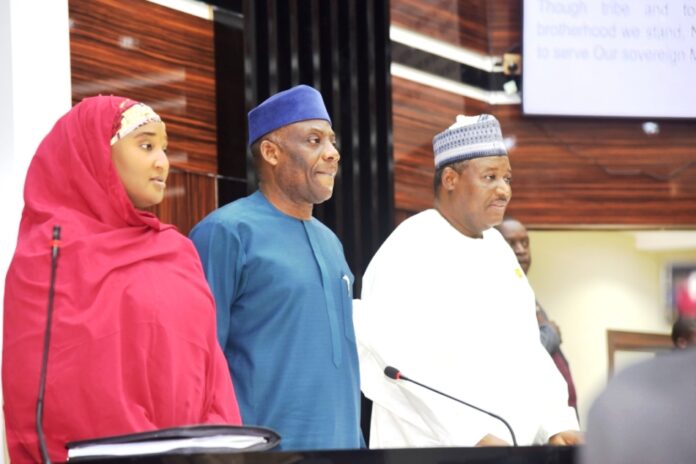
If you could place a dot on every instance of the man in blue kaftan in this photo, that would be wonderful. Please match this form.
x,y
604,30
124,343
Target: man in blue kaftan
x,y
281,283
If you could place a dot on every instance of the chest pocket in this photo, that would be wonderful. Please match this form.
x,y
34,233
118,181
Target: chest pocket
x,y
345,303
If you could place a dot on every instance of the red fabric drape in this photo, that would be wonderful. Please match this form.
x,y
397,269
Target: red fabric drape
x,y
134,343
686,306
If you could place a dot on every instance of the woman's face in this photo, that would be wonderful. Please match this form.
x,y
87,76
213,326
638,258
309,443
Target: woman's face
x,y
141,162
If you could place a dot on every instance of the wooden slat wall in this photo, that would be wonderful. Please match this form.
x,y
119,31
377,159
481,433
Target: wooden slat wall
x,y
456,22
568,172
164,58
503,24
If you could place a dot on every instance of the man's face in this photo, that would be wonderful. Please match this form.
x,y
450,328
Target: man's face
x,y
480,193
308,161
516,235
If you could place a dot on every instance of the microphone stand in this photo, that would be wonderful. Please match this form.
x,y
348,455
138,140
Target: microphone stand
x,y
394,373
55,247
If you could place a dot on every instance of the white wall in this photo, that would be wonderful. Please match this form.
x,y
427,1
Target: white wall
x,y
591,281
34,93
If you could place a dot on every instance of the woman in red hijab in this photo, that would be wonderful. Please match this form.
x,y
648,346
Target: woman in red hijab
x,y
133,346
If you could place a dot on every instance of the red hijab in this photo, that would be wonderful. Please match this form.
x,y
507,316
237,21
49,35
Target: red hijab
x,y
134,344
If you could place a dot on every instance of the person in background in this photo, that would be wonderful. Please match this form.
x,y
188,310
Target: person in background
x,y
645,414
431,296
133,344
282,285
515,233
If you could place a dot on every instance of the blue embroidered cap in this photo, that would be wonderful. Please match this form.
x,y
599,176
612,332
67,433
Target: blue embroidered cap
x,y
469,137
298,103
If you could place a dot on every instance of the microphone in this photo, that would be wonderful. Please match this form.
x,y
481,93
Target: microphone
x,y
394,373
55,248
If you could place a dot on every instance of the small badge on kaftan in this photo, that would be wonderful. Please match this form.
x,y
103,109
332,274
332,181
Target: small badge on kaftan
x,y
519,272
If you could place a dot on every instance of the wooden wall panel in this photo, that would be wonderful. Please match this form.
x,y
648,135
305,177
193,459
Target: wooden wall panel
x,y
164,58
503,24
567,172
190,197
601,172
456,22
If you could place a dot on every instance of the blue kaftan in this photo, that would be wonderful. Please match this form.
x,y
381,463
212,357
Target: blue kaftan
x,y
283,292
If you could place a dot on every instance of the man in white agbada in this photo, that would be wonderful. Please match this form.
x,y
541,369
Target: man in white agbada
x,y
444,300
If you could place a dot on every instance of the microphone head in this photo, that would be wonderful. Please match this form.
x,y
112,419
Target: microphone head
x,y
56,232
392,372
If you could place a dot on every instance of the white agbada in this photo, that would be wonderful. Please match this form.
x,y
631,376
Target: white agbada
x,y
457,314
